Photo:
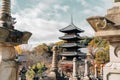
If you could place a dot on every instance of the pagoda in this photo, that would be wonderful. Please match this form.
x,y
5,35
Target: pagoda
x,y
71,45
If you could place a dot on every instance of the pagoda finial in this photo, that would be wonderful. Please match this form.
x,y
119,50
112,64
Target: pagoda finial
x,y
71,19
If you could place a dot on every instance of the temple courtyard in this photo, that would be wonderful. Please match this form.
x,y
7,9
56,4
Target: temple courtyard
x,y
72,57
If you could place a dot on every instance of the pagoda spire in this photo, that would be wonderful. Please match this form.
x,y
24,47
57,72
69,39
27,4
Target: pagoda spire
x,y
71,19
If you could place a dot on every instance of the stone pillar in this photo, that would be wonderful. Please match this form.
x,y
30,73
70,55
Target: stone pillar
x,y
54,69
101,70
75,69
54,59
96,71
8,67
87,71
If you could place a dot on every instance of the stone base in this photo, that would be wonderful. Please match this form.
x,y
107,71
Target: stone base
x,y
86,78
111,71
75,78
8,67
52,75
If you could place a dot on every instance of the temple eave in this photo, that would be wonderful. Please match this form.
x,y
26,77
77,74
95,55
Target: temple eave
x,y
71,46
72,54
77,31
71,37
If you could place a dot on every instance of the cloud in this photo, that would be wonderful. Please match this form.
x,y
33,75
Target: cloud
x,y
63,8
43,30
43,20
83,2
87,11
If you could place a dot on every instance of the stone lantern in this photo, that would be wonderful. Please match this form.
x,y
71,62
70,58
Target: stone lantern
x,y
108,27
9,37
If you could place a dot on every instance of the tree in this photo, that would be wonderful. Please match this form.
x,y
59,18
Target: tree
x,y
99,49
85,40
18,49
40,49
41,68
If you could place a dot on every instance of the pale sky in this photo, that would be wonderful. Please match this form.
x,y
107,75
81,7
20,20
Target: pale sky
x,y
44,18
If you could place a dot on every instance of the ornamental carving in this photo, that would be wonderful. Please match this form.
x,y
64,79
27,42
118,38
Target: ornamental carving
x,y
117,51
101,23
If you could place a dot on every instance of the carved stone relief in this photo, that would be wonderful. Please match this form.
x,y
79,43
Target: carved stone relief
x,y
117,51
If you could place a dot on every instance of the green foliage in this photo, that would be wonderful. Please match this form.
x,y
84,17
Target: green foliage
x,y
85,40
101,55
40,66
41,48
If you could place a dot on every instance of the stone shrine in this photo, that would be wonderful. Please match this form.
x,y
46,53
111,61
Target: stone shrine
x,y
9,37
108,27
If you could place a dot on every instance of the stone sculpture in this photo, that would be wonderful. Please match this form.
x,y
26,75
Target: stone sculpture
x,y
108,27
9,37
53,75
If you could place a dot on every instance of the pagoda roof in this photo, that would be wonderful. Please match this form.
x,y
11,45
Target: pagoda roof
x,y
72,54
70,45
69,54
71,28
66,37
66,62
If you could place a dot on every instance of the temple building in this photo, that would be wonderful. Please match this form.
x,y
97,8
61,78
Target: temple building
x,y
71,46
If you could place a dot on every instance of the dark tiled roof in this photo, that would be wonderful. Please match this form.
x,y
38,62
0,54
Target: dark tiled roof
x,y
72,54
66,62
71,27
68,45
69,54
66,37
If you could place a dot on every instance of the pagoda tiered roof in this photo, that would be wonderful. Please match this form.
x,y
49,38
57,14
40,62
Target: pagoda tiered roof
x,y
71,45
71,28
72,54
70,36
